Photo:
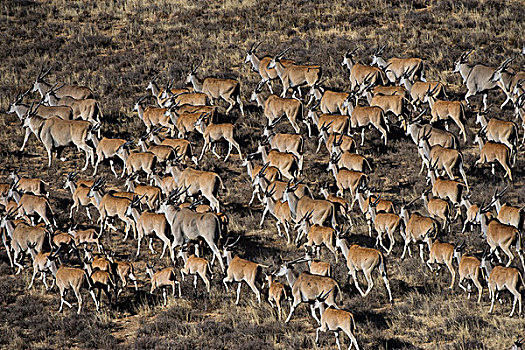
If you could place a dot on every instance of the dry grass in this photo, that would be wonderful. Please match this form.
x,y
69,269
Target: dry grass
x,y
116,46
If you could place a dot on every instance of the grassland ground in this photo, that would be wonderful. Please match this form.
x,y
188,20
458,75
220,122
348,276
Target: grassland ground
x,y
115,47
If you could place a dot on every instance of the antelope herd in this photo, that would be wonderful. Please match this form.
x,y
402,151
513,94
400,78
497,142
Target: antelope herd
x,y
390,96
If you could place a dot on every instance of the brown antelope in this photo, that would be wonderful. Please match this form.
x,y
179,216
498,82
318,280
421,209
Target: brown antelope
x,y
137,161
501,131
469,267
187,225
215,132
62,239
507,214
361,74
438,208
445,110
443,159
276,107
185,122
287,163
124,269
418,89
441,253
278,186
394,104
369,92
194,265
85,109
152,194
29,185
276,293
395,67
162,279
111,205
85,237
74,278
153,225
320,209
477,78
163,95
331,123
260,65
364,197
167,184
291,143
501,236
294,76
79,194
340,202
75,91
350,180
384,222
176,110
492,152
181,147
108,148
189,98
280,210
42,265
307,287
336,320
270,173
207,183
364,259
330,102
417,229
240,270
22,235
360,117
153,116
315,266
508,81
21,110
435,136
336,143
227,89
102,280
29,205
445,189
500,278
348,160
317,235
163,153
56,133
472,212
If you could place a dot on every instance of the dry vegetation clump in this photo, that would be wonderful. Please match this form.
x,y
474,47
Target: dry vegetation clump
x,y
115,47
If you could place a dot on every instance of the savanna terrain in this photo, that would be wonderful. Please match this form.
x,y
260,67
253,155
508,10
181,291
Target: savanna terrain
x,y
116,47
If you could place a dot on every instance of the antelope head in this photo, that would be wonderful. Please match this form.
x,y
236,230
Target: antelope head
x,y
502,67
251,51
277,58
461,60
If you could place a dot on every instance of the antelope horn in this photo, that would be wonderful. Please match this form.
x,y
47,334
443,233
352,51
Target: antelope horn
x,y
325,126
270,191
234,242
350,53
412,201
195,204
282,53
256,46
503,191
